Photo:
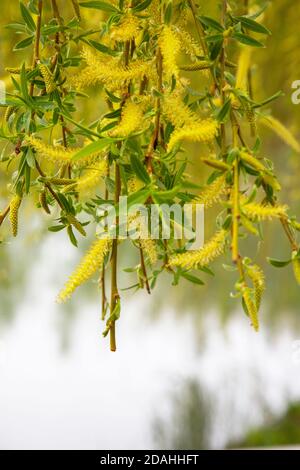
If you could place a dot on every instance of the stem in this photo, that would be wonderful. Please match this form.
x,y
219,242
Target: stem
x,y
48,185
155,136
114,264
236,196
289,234
222,79
144,270
36,53
114,256
4,214
102,280
198,27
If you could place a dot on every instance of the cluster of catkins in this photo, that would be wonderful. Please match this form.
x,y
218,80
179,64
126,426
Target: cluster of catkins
x,y
143,66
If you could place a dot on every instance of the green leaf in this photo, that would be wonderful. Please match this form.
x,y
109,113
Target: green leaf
x,y
248,40
224,111
24,43
102,48
252,25
277,263
193,279
92,148
211,23
167,194
56,228
214,38
139,169
27,17
72,236
99,6
24,85
168,13
142,6
268,100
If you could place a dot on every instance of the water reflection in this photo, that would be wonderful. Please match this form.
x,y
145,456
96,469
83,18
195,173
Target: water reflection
x,y
90,398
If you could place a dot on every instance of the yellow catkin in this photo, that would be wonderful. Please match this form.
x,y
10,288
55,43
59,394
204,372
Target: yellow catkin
x,y
170,49
188,44
43,201
14,214
212,193
202,131
260,212
101,69
131,120
134,185
211,250
244,63
48,78
56,154
213,162
91,262
252,161
258,279
59,154
251,118
149,248
296,268
17,70
282,131
251,308
61,181
178,113
128,29
92,176
196,66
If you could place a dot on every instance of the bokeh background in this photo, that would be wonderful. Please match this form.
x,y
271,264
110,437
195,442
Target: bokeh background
x,y
189,373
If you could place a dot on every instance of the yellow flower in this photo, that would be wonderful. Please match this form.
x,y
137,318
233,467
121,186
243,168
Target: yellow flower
x,y
251,307
170,49
283,132
56,154
258,279
260,212
48,78
59,154
296,268
134,185
129,28
90,179
188,44
14,214
211,250
201,131
91,262
131,120
212,193
101,69
177,112
149,248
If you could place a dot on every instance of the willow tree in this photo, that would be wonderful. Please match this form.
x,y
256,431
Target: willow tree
x,y
142,63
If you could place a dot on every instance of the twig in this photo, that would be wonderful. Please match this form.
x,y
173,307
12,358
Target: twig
x,y
4,214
